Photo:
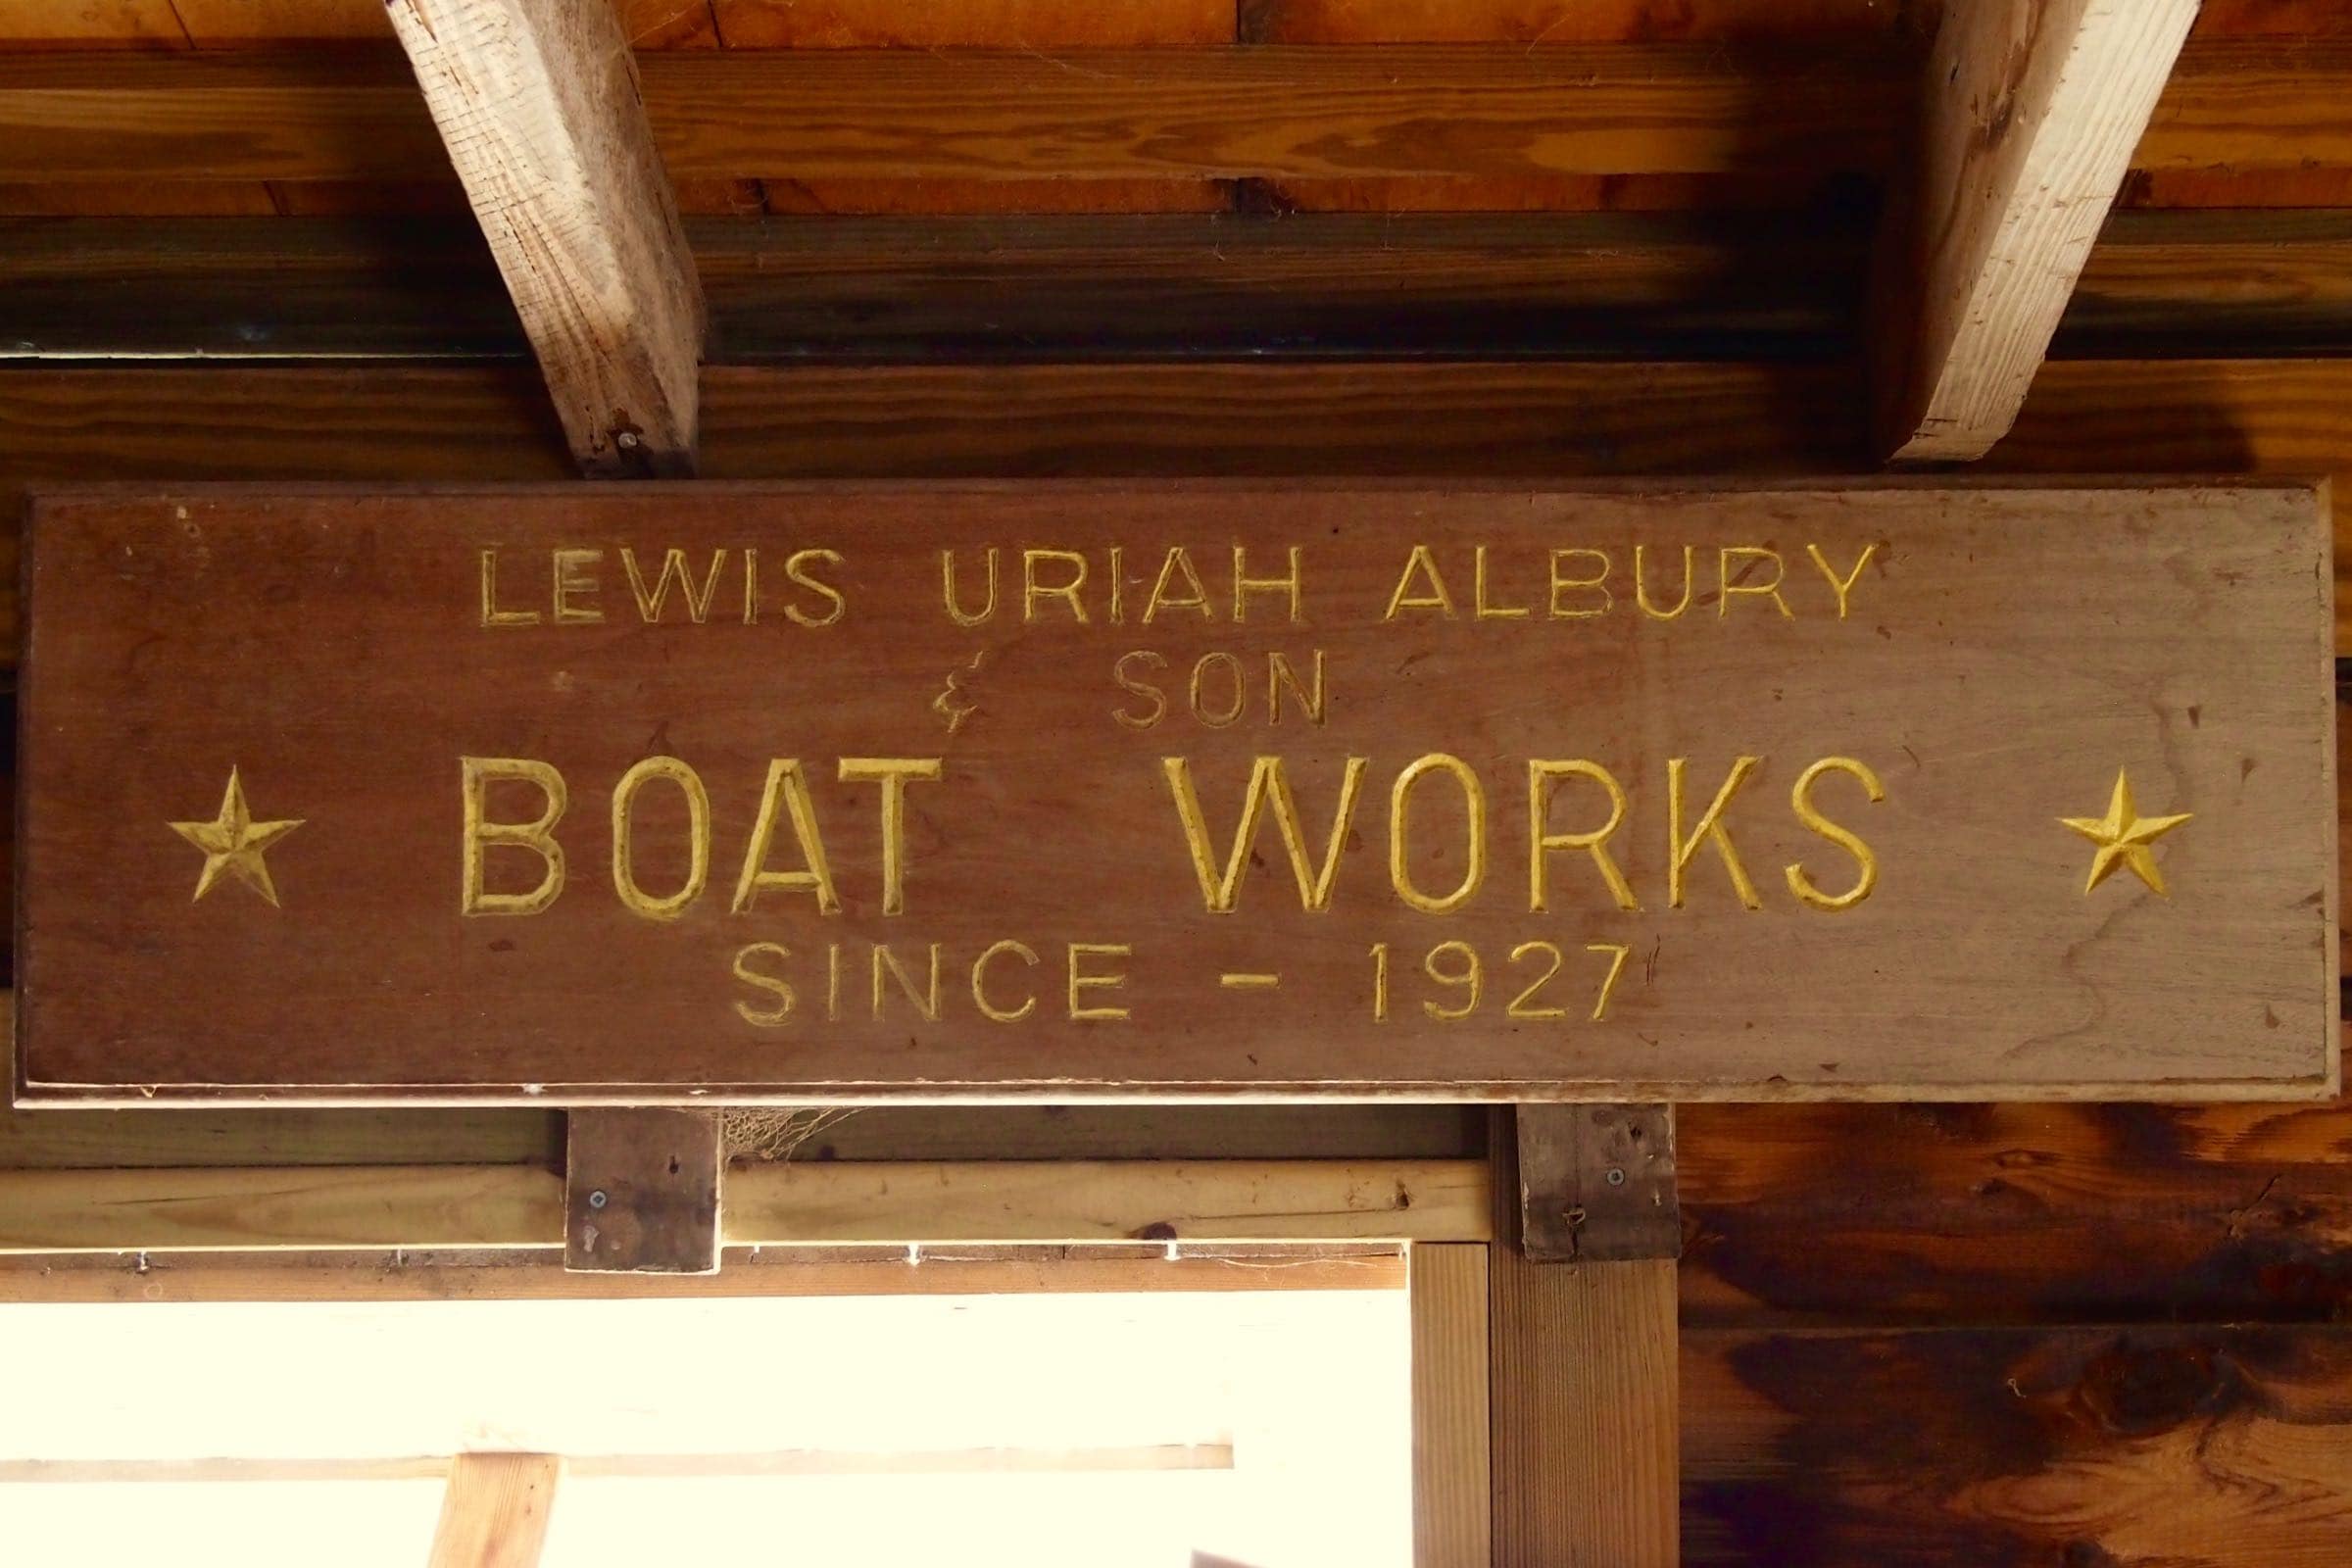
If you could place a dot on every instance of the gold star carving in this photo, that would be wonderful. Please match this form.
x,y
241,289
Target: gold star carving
x,y
232,844
2122,836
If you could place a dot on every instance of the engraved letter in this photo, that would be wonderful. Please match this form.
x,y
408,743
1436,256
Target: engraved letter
x,y
697,838
1230,713
673,565
537,836
1843,585
1312,700
1802,797
925,1001
1599,579
773,984
1436,598
988,1009
947,579
1082,981
1160,701
574,578
1196,599
1710,829
1071,591
798,573
892,774
1266,783
1541,775
1244,585
1641,586
1770,589
1473,803
1480,608
492,615
788,787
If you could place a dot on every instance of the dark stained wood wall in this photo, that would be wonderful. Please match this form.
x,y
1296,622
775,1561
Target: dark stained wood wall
x,y
2069,1336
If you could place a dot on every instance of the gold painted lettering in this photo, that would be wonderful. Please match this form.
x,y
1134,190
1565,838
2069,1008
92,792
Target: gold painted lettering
x,y
989,1010
926,1002
1542,774
673,567
1244,585
1312,700
492,615
1081,981
1843,585
1709,830
1267,783
956,611
634,898
1178,559
1734,582
1436,598
1474,805
1219,718
894,774
775,985
538,836
787,790
1642,585
1800,796
1480,609
797,570
1141,688
1562,584
574,578
1033,589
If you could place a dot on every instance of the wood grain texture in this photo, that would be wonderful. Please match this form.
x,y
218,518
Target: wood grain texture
x,y
537,102
1298,111
642,1191
2190,1446
845,1203
2034,108
1585,1419
1452,1482
1596,1184
1721,1004
495,1512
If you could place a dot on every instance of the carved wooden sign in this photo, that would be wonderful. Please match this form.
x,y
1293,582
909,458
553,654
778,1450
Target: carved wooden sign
x,y
1065,790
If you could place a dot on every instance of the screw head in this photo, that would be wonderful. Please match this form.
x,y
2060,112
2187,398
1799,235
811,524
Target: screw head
x,y
597,1199
1616,1177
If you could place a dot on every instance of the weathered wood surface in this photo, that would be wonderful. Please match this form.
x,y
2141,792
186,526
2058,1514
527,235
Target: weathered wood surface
x,y
985,1204
496,1510
538,107
522,1005
2190,1446
641,1191
2032,109
1597,1183
1453,1495
1620,285
1273,111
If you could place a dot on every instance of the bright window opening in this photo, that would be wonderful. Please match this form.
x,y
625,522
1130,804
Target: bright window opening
x,y
1268,1428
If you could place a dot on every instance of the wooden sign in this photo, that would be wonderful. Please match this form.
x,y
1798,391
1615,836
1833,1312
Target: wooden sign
x,y
1075,790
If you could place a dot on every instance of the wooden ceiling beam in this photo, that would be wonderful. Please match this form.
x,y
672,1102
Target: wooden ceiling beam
x,y
2033,109
538,105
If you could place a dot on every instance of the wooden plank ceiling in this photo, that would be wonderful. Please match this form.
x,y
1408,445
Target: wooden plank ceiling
x,y
1911,1334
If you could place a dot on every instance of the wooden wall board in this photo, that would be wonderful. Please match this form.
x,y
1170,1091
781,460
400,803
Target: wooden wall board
x,y
1453,1489
2194,1446
2239,1011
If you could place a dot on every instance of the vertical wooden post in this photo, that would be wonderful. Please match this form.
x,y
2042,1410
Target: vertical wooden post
x,y
495,1512
1452,1485
1585,1368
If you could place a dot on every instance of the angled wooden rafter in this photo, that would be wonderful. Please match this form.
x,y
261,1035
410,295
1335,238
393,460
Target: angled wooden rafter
x,y
2033,109
537,102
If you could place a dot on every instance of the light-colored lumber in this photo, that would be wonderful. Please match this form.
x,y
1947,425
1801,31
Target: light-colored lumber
x,y
1452,1483
538,103
641,1191
2033,110
884,1204
495,1512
